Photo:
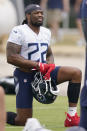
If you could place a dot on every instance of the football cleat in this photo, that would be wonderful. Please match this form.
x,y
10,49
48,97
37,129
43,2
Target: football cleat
x,y
33,124
71,120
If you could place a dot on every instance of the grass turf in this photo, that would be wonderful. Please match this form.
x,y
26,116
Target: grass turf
x,y
51,116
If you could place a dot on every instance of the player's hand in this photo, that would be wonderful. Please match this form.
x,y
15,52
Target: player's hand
x,y
43,67
51,68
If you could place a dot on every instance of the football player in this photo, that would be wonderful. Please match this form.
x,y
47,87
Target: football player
x,y
28,48
83,98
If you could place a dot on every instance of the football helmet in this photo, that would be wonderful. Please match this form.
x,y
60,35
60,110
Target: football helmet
x,y
44,91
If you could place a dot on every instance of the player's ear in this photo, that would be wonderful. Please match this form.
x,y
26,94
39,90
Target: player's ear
x,y
28,16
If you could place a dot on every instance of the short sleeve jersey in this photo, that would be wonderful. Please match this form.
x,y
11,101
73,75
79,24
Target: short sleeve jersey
x,y
33,47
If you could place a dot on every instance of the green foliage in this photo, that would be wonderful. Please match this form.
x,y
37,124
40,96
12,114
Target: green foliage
x,y
51,116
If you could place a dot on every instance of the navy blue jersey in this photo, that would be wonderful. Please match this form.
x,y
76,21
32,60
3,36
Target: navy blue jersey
x,y
84,9
55,4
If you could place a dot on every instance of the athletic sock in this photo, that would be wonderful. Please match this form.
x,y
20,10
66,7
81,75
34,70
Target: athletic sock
x,y
72,111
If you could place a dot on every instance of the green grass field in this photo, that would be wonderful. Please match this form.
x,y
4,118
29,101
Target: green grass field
x,y
51,116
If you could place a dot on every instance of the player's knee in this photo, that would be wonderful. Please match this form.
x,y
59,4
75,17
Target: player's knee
x,y
77,74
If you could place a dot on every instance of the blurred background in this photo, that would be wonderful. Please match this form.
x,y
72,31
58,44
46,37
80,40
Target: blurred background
x,y
62,17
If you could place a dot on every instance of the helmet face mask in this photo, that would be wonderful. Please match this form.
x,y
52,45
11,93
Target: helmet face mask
x,y
44,91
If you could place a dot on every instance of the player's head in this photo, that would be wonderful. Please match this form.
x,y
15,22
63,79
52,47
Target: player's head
x,y
34,15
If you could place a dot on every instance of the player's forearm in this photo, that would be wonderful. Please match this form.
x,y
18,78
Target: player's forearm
x,y
20,62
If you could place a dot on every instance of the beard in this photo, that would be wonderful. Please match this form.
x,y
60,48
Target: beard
x,y
36,24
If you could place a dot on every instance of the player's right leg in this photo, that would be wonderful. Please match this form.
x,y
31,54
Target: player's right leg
x,y
73,75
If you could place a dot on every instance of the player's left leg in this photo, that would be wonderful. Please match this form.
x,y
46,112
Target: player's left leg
x,y
24,99
73,75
